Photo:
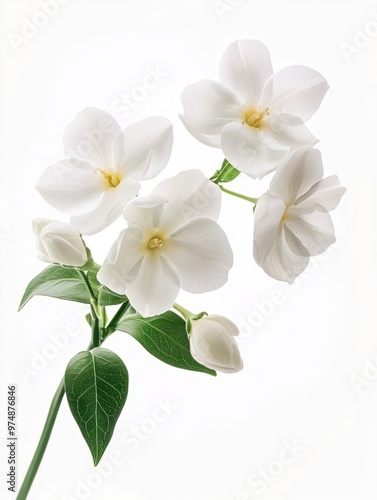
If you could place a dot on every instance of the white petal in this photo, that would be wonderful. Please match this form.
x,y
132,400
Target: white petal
x,y
63,244
190,196
123,261
145,213
290,130
326,193
208,107
287,258
108,209
211,346
39,224
201,255
156,286
267,217
37,227
147,145
297,174
247,149
315,230
92,136
228,325
71,186
245,67
296,90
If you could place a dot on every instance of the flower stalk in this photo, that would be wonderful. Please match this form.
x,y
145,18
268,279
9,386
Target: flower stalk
x,y
238,195
42,445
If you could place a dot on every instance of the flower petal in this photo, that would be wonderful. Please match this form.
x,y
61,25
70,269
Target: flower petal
x,y
201,255
147,145
71,186
297,174
108,209
315,230
290,130
190,196
156,286
228,325
245,67
211,346
123,261
247,149
267,217
63,244
326,193
145,213
287,258
208,107
92,136
296,90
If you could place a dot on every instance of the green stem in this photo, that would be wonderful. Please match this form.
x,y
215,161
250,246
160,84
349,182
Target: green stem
x,y
238,195
185,312
93,298
96,331
41,448
84,277
111,327
44,439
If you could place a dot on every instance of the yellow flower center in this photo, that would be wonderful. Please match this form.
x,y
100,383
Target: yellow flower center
x,y
112,178
286,215
254,118
155,242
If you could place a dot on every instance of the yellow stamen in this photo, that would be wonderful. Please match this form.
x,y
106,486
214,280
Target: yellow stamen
x,y
112,178
254,118
155,242
286,215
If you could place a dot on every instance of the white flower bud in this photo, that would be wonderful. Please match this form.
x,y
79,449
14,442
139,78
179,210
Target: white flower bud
x,y
213,345
58,242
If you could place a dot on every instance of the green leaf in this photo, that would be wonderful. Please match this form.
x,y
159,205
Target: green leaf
x,y
96,384
58,282
164,337
108,298
227,173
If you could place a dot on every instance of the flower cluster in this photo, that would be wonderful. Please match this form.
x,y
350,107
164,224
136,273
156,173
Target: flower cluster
x,y
172,240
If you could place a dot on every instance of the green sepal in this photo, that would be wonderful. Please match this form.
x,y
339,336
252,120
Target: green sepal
x,y
89,319
96,384
164,337
226,173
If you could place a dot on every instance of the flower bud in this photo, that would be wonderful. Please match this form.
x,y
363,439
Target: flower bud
x,y
212,343
58,242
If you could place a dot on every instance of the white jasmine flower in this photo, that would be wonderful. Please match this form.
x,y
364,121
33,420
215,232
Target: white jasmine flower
x,y
59,243
172,241
292,220
104,167
253,115
212,343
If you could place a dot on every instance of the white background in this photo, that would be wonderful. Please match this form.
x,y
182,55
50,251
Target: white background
x,y
302,356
